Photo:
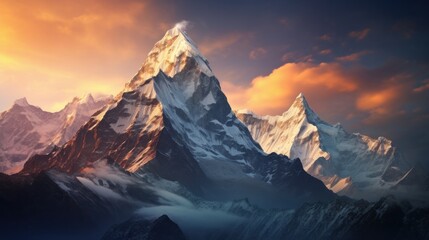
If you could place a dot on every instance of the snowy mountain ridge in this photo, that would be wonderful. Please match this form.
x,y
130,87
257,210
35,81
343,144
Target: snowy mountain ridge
x,y
170,55
351,164
169,143
173,120
26,129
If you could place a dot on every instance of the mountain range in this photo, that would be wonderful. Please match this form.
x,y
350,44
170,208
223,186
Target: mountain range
x,y
349,164
26,130
173,120
168,154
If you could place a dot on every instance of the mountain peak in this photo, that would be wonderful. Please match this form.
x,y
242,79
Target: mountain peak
x,y
177,30
87,98
22,102
171,55
301,107
302,100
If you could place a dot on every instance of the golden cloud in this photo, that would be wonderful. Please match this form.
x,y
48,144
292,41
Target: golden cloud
x,y
273,93
386,100
353,57
377,101
353,93
380,104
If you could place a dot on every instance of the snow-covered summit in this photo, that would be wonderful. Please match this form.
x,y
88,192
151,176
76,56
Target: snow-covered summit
x,y
170,55
301,108
351,164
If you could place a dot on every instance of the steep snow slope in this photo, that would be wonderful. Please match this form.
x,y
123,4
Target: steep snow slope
x,y
76,114
351,164
26,129
172,119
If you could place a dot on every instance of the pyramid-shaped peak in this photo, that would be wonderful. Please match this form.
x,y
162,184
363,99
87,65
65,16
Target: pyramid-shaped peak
x,y
301,99
301,107
170,55
178,40
301,102
22,102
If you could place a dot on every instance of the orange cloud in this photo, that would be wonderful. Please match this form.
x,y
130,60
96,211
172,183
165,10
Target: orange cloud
x,y
334,91
359,35
51,26
377,101
353,57
380,104
273,93
325,51
387,100
234,94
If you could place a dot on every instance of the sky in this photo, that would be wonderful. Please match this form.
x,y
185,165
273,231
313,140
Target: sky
x,y
364,64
